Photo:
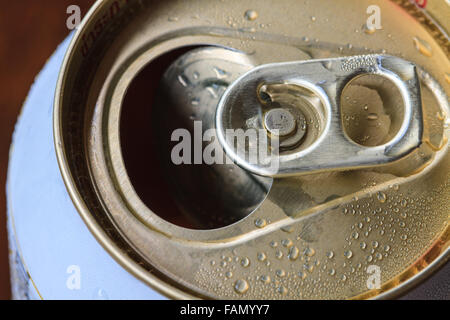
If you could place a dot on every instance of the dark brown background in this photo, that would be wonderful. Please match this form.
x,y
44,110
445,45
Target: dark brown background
x,y
30,31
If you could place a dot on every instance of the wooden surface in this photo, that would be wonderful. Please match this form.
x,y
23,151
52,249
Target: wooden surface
x,y
30,31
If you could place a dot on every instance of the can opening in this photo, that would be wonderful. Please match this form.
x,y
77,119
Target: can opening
x,y
192,195
372,110
140,146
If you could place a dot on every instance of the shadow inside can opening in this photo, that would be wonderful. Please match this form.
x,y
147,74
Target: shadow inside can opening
x,y
140,146
157,103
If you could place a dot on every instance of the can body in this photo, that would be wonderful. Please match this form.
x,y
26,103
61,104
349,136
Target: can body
x,y
52,253
57,254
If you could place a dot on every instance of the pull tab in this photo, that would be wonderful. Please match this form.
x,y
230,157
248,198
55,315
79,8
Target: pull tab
x,y
333,114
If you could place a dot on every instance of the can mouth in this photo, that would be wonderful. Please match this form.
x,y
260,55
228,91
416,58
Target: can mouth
x,y
140,145
182,186
288,239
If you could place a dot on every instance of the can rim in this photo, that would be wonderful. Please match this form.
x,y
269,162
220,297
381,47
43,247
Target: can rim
x,y
93,226
128,263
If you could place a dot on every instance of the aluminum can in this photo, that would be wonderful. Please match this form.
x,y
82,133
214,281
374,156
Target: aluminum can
x,y
99,209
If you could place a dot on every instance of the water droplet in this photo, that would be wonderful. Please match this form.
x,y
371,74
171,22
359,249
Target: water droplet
x,y
331,272
241,286
363,245
328,65
348,254
309,252
245,262
286,243
251,15
302,275
213,91
309,267
369,30
330,254
229,274
281,273
381,197
260,223
220,73
423,47
279,254
293,253
265,279
282,290
261,256
183,80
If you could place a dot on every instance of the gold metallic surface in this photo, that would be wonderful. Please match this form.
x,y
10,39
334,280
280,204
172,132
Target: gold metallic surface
x,y
311,244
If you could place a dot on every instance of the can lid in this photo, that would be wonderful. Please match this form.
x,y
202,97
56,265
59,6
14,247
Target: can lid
x,y
307,236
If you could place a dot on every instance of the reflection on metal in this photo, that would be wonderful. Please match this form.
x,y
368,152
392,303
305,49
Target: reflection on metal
x,y
317,88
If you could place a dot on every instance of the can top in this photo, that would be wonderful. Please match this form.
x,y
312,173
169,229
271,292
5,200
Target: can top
x,y
132,77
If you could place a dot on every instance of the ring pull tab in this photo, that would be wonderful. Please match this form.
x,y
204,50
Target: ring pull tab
x,y
317,115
